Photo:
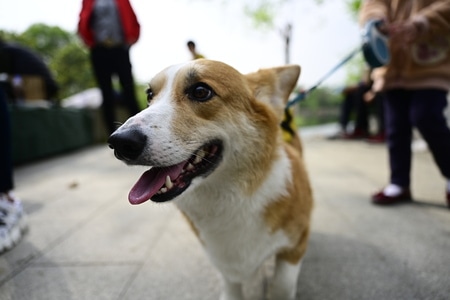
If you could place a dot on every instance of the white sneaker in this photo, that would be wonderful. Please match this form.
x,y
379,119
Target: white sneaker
x,y
6,242
17,211
12,221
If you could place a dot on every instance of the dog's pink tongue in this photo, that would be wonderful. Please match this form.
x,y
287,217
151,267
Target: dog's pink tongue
x,y
151,181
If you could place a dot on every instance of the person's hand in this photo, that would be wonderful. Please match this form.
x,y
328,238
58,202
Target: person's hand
x,y
405,32
368,96
383,26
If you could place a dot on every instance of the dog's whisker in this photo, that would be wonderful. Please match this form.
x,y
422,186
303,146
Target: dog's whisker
x,y
118,124
200,157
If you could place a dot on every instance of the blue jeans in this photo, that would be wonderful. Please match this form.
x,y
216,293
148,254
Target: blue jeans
x,y
6,166
424,110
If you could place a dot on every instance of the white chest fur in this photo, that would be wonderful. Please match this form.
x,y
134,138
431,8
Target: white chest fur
x,y
231,225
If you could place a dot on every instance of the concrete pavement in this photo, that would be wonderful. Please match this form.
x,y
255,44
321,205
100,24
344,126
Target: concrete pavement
x,y
87,242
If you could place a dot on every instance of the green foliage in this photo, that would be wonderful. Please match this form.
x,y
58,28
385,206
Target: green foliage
x,y
46,40
263,12
354,6
321,97
72,69
141,95
9,36
319,107
355,69
262,15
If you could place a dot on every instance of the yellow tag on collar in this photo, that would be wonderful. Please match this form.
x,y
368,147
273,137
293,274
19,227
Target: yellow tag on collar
x,y
288,126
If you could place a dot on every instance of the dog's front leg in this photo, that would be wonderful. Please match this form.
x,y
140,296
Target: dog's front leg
x,y
231,291
284,285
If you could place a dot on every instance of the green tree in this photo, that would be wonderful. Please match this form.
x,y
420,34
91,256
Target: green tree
x,y
46,40
72,69
320,106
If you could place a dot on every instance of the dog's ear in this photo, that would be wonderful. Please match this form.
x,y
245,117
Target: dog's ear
x,y
274,86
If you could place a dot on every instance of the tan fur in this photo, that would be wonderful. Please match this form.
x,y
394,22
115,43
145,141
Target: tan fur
x,y
292,212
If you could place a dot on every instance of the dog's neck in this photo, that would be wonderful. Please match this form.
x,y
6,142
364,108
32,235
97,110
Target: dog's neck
x,y
217,197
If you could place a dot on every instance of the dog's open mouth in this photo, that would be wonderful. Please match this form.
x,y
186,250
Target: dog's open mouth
x,y
161,184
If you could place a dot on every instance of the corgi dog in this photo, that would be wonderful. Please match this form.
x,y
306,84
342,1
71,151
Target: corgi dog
x,y
212,140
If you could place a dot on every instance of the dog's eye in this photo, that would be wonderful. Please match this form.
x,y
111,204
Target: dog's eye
x,y
200,92
149,93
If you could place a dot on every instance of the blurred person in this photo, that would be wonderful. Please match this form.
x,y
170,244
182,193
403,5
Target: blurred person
x,y
19,62
109,28
376,100
12,216
192,48
358,100
361,128
415,83
345,112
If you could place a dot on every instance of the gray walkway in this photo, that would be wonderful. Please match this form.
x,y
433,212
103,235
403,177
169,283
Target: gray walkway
x,y
86,242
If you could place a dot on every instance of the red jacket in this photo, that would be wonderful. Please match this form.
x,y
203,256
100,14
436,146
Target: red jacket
x,y
130,24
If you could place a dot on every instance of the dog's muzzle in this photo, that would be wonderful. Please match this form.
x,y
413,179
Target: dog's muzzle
x,y
128,144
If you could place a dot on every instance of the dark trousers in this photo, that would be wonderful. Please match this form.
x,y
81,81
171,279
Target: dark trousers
x,y
378,102
354,101
346,110
106,62
422,109
6,166
362,110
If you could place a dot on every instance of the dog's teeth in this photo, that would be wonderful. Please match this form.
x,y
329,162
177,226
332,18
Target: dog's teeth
x,y
201,154
163,190
189,167
169,183
197,159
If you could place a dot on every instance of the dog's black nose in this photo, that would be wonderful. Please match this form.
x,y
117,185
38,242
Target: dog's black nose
x,y
127,145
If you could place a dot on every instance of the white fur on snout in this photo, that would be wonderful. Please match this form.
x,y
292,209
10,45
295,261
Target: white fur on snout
x,y
155,122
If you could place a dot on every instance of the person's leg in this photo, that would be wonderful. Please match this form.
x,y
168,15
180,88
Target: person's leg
x,y
379,99
12,216
124,71
346,110
102,67
362,114
6,166
427,114
399,136
380,135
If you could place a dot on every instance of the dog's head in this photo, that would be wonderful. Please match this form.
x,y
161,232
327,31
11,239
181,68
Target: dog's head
x,y
203,117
